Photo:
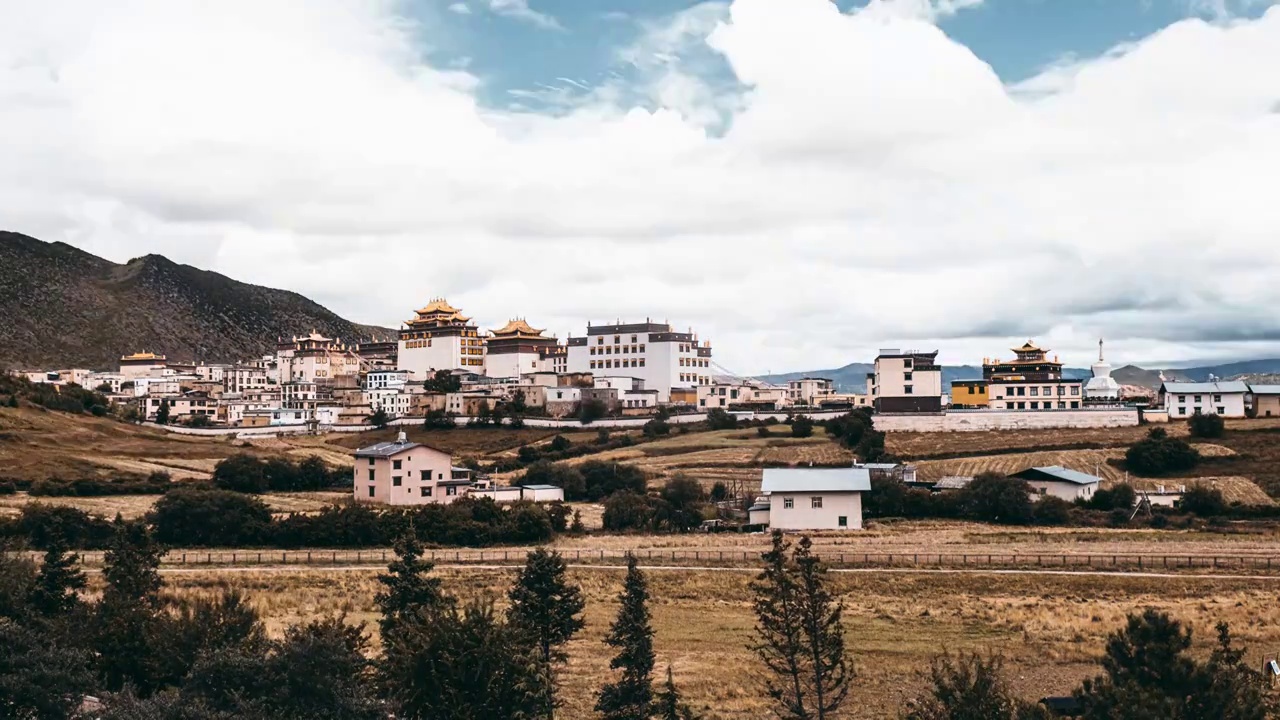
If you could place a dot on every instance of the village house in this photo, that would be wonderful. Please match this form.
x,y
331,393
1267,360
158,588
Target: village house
x,y
1266,400
815,498
1059,482
906,382
407,473
1182,400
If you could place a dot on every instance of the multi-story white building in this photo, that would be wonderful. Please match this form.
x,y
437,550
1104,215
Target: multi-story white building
x,y
1182,400
726,394
440,337
244,379
109,379
517,349
211,373
181,406
299,395
810,390
315,357
906,382
664,359
394,401
386,379
405,473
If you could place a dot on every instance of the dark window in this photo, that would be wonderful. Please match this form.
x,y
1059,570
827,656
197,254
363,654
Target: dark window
x,y
815,503
370,461
788,503
908,390
395,464
370,491
451,490
426,491
842,521
370,476
395,480
906,376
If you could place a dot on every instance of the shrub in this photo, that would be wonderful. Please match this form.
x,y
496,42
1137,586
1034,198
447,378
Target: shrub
x,y
1205,425
1158,454
1051,510
590,410
248,474
603,479
992,497
719,491
209,518
626,510
562,476
763,431
1203,501
802,427
560,443
1120,496
718,419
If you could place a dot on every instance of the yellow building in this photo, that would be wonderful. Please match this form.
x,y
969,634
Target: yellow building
x,y
969,394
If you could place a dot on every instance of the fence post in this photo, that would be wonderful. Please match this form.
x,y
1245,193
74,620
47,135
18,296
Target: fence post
x,y
184,558
308,557
357,557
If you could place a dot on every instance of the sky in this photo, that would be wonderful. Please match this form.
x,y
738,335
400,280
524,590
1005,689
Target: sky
x,y
801,182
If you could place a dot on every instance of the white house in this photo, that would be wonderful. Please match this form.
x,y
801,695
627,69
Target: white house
x,y
407,473
665,359
815,498
1060,482
1182,400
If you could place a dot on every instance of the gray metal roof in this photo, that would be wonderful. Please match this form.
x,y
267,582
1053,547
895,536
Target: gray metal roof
x,y
386,449
1265,389
540,487
952,482
1231,386
816,480
758,508
1057,472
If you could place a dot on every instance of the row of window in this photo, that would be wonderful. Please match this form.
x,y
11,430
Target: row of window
x,y
622,349
1021,391
1221,410
1036,405
815,502
694,378
625,362
695,362
1183,398
426,490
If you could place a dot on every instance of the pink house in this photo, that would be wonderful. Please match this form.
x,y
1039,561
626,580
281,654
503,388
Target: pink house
x,y
406,473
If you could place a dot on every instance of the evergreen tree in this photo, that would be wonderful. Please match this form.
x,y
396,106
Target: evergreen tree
x,y
162,415
631,697
781,642
971,688
39,678
576,527
380,418
408,588
823,633
546,607
668,705
463,664
128,611
56,588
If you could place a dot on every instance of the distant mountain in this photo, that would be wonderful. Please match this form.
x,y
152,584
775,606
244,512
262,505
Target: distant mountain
x,y
63,307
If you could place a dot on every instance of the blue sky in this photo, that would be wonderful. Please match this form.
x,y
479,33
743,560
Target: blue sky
x,y
517,52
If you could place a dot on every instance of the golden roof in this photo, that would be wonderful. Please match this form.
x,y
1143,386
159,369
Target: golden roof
x,y
1029,347
518,326
439,309
142,356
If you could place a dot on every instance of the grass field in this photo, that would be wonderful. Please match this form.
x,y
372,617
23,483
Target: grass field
x,y
1050,628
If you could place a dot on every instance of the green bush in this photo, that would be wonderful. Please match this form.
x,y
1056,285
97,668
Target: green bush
x,y
992,497
1204,425
718,419
1203,501
1159,454
1051,510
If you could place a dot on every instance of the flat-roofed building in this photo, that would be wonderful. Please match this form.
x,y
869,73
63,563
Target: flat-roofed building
x,y
407,473
906,382
1182,400
810,390
666,360
142,364
969,394
314,357
1266,400
1030,381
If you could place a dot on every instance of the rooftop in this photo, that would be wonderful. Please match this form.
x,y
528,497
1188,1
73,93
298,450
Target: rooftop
x,y
816,480
1059,473
387,449
1231,386
1265,389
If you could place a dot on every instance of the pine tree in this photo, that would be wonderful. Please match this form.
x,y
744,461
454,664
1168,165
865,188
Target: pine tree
x,y
162,415
823,632
780,629
576,527
546,608
668,705
631,697
408,586
56,588
127,614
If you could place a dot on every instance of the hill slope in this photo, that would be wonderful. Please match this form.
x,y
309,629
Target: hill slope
x,y
64,307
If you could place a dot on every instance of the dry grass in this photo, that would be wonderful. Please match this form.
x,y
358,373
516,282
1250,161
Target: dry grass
x,y
1049,628
1094,462
133,506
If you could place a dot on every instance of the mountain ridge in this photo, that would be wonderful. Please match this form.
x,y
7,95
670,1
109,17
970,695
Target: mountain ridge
x,y
69,308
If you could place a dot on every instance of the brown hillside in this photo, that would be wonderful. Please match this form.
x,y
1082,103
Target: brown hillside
x,y
64,307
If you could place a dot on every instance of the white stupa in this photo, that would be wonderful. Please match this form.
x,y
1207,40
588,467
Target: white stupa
x,y
1101,386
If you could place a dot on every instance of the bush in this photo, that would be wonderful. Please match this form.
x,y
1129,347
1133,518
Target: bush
x,y
802,427
560,443
1051,510
603,479
992,497
8,488
1204,425
562,476
1120,496
1203,501
590,410
763,431
626,510
656,428
719,491
1158,454
199,517
41,524
248,474
718,419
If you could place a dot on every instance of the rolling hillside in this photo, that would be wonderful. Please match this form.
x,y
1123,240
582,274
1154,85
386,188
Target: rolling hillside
x,y
64,307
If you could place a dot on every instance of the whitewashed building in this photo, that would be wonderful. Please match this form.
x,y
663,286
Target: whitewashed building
x,y
1182,400
666,360
1057,481
386,379
815,498
439,337
407,473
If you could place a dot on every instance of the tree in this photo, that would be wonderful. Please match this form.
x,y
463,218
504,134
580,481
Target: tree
x,y
128,612
630,697
439,420
627,510
40,678
13,401
209,517
603,478
241,473
380,418
668,705
886,499
800,633
802,427
969,687
443,381
719,491
1050,510
162,415
1203,500
576,527
103,388
591,409
1206,425
198,421
57,586
718,419
408,587
566,477
992,497
559,444
313,474
1148,675
547,609
1159,454
1121,496
683,498
656,427
463,664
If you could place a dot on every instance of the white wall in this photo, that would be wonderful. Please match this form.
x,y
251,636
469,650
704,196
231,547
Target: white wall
x,y
980,420
1183,405
803,516
1065,490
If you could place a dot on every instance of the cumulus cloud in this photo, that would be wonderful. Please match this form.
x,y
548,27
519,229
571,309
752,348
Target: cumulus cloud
x,y
861,179
520,10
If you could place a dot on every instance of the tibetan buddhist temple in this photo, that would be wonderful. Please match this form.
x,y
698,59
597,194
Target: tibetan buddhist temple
x,y
439,337
517,348
1030,363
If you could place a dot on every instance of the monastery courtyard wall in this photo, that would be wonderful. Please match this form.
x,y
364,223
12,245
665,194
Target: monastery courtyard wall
x,y
979,420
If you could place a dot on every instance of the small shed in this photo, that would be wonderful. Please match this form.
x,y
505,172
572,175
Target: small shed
x,y
1060,482
815,498
758,513
542,493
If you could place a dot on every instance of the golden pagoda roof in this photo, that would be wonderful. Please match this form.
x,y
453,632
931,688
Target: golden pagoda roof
x,y
1028,347
440,309
142,356
518,326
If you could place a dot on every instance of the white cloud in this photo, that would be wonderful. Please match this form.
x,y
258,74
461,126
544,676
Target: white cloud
x,y
520,10
460,8
875,183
